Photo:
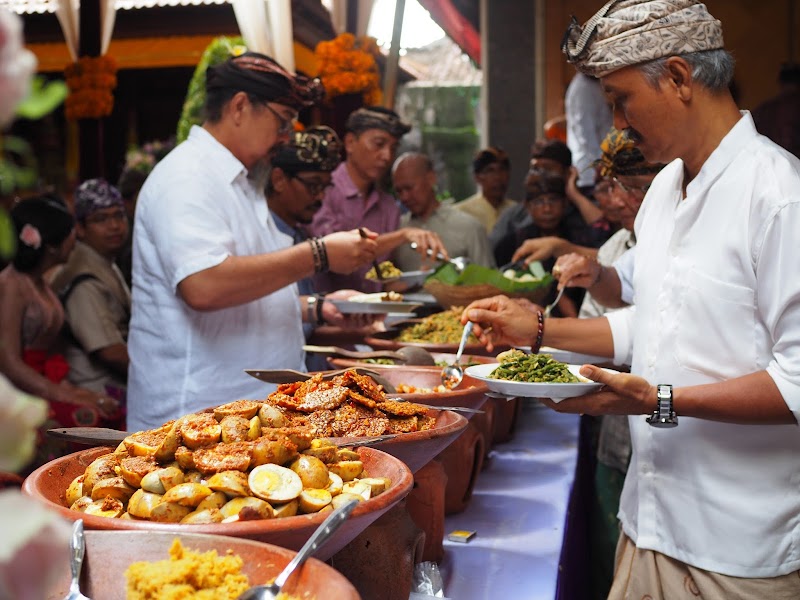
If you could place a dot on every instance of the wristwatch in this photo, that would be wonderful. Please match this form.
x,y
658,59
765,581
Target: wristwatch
x,y
663,415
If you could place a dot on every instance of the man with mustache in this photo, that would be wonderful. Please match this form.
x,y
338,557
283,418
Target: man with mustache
x,y
710,507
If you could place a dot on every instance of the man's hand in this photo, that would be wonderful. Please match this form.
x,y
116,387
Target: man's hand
x,y
577,271
500,320
428,242
347,250
333,316
539,249
572,184
621,394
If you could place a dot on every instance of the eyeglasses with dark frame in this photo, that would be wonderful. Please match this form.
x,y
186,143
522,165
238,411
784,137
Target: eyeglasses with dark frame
x,y
540,201
286,125
314,188
629,189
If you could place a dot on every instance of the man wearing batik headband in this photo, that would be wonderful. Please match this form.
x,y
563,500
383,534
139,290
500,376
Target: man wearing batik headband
x,y
96,299
710,507
214,279
356,199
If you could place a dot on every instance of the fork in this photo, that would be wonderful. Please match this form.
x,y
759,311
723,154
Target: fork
x,y
77,551
549,308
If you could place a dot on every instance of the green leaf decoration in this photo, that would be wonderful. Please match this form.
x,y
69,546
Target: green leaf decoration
x,y
8,241
475,275
43,99
218,51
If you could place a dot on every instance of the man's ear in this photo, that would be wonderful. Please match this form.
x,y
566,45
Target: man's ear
x,y
679,77
350,139
279,179
80,230
237,105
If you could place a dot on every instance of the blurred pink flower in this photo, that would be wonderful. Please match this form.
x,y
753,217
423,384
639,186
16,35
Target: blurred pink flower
x,y
30,236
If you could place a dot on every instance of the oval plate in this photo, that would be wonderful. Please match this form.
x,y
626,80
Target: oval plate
x,y
521,389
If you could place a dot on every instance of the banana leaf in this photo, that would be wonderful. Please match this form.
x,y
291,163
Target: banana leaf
x,y
475,275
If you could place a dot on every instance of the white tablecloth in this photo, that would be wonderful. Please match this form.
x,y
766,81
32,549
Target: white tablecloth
x,y
518,510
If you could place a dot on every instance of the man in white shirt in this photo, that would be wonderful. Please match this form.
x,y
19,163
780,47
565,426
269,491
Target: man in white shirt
x,y
588,120
214,287
710,508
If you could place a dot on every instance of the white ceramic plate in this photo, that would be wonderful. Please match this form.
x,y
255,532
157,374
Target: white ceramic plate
x,y
565,356
521,389
350,307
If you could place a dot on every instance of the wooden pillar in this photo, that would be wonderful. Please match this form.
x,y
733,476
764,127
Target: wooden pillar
x,y
90,131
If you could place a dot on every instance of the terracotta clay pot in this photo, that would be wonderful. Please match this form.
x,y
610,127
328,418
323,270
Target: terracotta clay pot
x,y
484,423
506,414
48,484
425,504
109,553
380,561
462,461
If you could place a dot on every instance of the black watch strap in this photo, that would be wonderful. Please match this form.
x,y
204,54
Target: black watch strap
x,y
664,414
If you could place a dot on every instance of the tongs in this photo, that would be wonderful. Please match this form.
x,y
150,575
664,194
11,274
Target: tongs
x,y
459,262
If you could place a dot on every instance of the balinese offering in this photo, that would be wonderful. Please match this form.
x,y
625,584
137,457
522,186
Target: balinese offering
x,y
440,328
248,459
532,368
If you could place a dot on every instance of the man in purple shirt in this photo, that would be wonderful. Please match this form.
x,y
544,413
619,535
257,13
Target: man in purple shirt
x,y
356,199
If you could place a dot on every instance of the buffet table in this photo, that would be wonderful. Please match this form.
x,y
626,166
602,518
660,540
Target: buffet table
x,y
519,511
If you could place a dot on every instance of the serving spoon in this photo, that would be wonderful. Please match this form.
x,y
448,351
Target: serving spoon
x,y
408,355
77,550
453,374
322,534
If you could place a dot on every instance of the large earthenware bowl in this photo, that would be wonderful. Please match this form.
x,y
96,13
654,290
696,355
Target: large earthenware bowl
x,y
109,553
49,483
417,448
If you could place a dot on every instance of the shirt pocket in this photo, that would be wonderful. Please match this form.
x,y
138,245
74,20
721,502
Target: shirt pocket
x,y
715,331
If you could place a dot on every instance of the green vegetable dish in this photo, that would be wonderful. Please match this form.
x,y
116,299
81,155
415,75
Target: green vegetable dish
x,y
532,368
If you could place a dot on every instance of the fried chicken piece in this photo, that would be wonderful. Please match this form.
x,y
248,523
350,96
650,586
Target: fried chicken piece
x,y
355,420
224,457
323,399
361,383
361,399
401,409
406,425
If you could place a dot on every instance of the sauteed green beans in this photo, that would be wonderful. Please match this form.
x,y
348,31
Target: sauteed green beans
x,y
532,368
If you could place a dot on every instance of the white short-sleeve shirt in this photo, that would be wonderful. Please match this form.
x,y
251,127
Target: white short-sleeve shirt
x,y
196,209
717,296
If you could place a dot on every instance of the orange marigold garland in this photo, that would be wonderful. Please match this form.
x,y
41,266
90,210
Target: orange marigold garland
x,y
347,66
90,81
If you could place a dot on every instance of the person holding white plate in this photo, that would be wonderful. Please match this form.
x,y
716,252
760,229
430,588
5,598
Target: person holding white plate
x,y
710,506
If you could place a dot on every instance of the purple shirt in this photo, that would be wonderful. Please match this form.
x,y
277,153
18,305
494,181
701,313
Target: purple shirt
x,y
345,208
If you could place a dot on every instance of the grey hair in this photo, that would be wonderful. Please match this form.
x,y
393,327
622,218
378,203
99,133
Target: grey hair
x,y
713,69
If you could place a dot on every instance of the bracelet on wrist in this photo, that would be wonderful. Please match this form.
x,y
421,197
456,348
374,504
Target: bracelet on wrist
x,y
320,320
315,255
323,252
537,342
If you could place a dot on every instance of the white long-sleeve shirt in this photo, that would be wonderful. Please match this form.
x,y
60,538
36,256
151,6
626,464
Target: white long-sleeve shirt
x,y
196,209
588,121
716,284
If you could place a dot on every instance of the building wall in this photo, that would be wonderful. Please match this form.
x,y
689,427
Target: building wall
x,y
758,33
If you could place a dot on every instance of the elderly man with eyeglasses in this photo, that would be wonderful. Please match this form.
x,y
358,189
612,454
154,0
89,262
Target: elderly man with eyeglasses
x,y
710,506
213,277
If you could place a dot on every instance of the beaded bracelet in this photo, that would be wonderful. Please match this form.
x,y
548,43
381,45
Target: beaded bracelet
x,y
320,299
315,255
323,252
537,344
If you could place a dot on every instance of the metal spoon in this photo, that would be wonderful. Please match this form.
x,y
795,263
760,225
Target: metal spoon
x,y
77,549
459,262
453,374
318,538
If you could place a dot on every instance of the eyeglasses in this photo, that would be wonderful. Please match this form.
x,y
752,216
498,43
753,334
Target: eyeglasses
x,y
286,125
629,189
543,201
314,188
119,216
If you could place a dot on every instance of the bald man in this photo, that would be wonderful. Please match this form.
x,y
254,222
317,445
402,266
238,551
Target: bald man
x,y
462,234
